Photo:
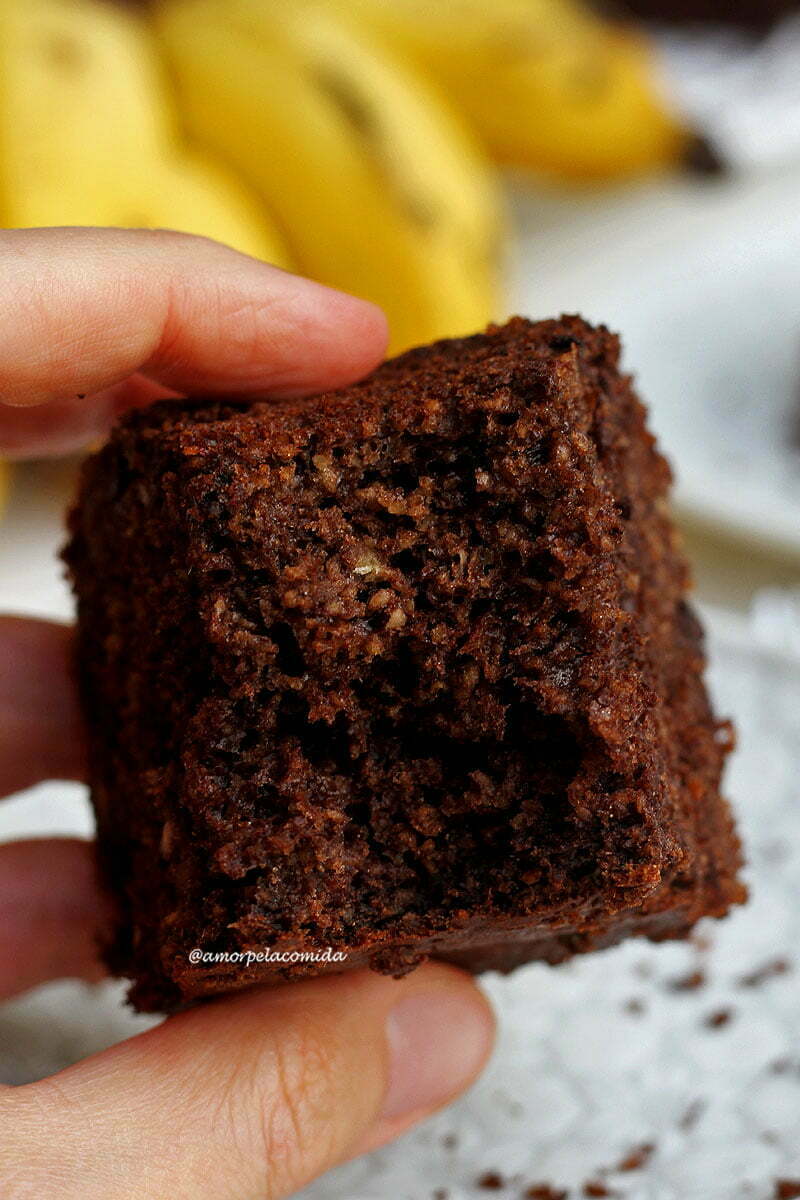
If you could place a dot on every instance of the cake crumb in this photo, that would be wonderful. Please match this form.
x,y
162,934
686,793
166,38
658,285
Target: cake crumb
x,y
787,1189
397,619
491,1181
786,1065
770,970
691,982
718,1019
167,839
545,1191
692,1115
637,1157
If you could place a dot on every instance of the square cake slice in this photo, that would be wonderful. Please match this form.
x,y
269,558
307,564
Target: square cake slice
x,y
402,670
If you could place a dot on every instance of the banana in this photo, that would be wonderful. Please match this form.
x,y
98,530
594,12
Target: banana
x,y
80,115
546,83
375,183
194,194
88,137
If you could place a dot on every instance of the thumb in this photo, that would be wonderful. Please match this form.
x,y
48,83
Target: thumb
x,y
252,1096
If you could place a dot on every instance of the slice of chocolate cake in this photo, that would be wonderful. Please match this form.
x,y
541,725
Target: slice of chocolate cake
x,y
402,670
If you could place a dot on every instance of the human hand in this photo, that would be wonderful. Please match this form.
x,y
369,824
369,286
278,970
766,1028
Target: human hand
x,y
254,1095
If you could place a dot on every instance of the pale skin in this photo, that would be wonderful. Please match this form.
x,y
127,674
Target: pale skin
x,y
254,1095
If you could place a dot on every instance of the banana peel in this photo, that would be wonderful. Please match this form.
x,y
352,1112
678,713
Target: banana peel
x,y
194,194
547,84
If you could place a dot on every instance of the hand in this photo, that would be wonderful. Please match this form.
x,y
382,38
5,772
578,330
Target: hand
x,y
254,1095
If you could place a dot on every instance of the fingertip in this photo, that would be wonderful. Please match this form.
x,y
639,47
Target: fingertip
x,y
440,1032
369,333
346,338
440,1041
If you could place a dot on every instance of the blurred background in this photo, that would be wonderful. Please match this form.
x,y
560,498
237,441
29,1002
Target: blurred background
x,y
456,161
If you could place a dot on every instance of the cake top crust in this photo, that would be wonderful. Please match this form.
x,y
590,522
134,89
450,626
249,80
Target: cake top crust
x,y
486,371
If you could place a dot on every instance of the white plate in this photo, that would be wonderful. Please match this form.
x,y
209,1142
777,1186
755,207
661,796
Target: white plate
x,y
702,279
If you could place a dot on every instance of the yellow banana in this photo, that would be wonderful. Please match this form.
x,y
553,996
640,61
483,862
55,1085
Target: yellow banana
x,y
546,83
80,110
374,182
195,195
88,138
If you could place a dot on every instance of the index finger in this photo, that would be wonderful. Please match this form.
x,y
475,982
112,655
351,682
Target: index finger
x,y
83,309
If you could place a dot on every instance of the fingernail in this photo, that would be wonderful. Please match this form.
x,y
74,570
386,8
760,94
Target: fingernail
x,y
438,1041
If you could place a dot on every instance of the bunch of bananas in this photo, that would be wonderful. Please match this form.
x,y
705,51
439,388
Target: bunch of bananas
x,y
350,139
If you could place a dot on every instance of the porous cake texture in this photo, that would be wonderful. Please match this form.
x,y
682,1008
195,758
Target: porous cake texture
x,y
402,670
